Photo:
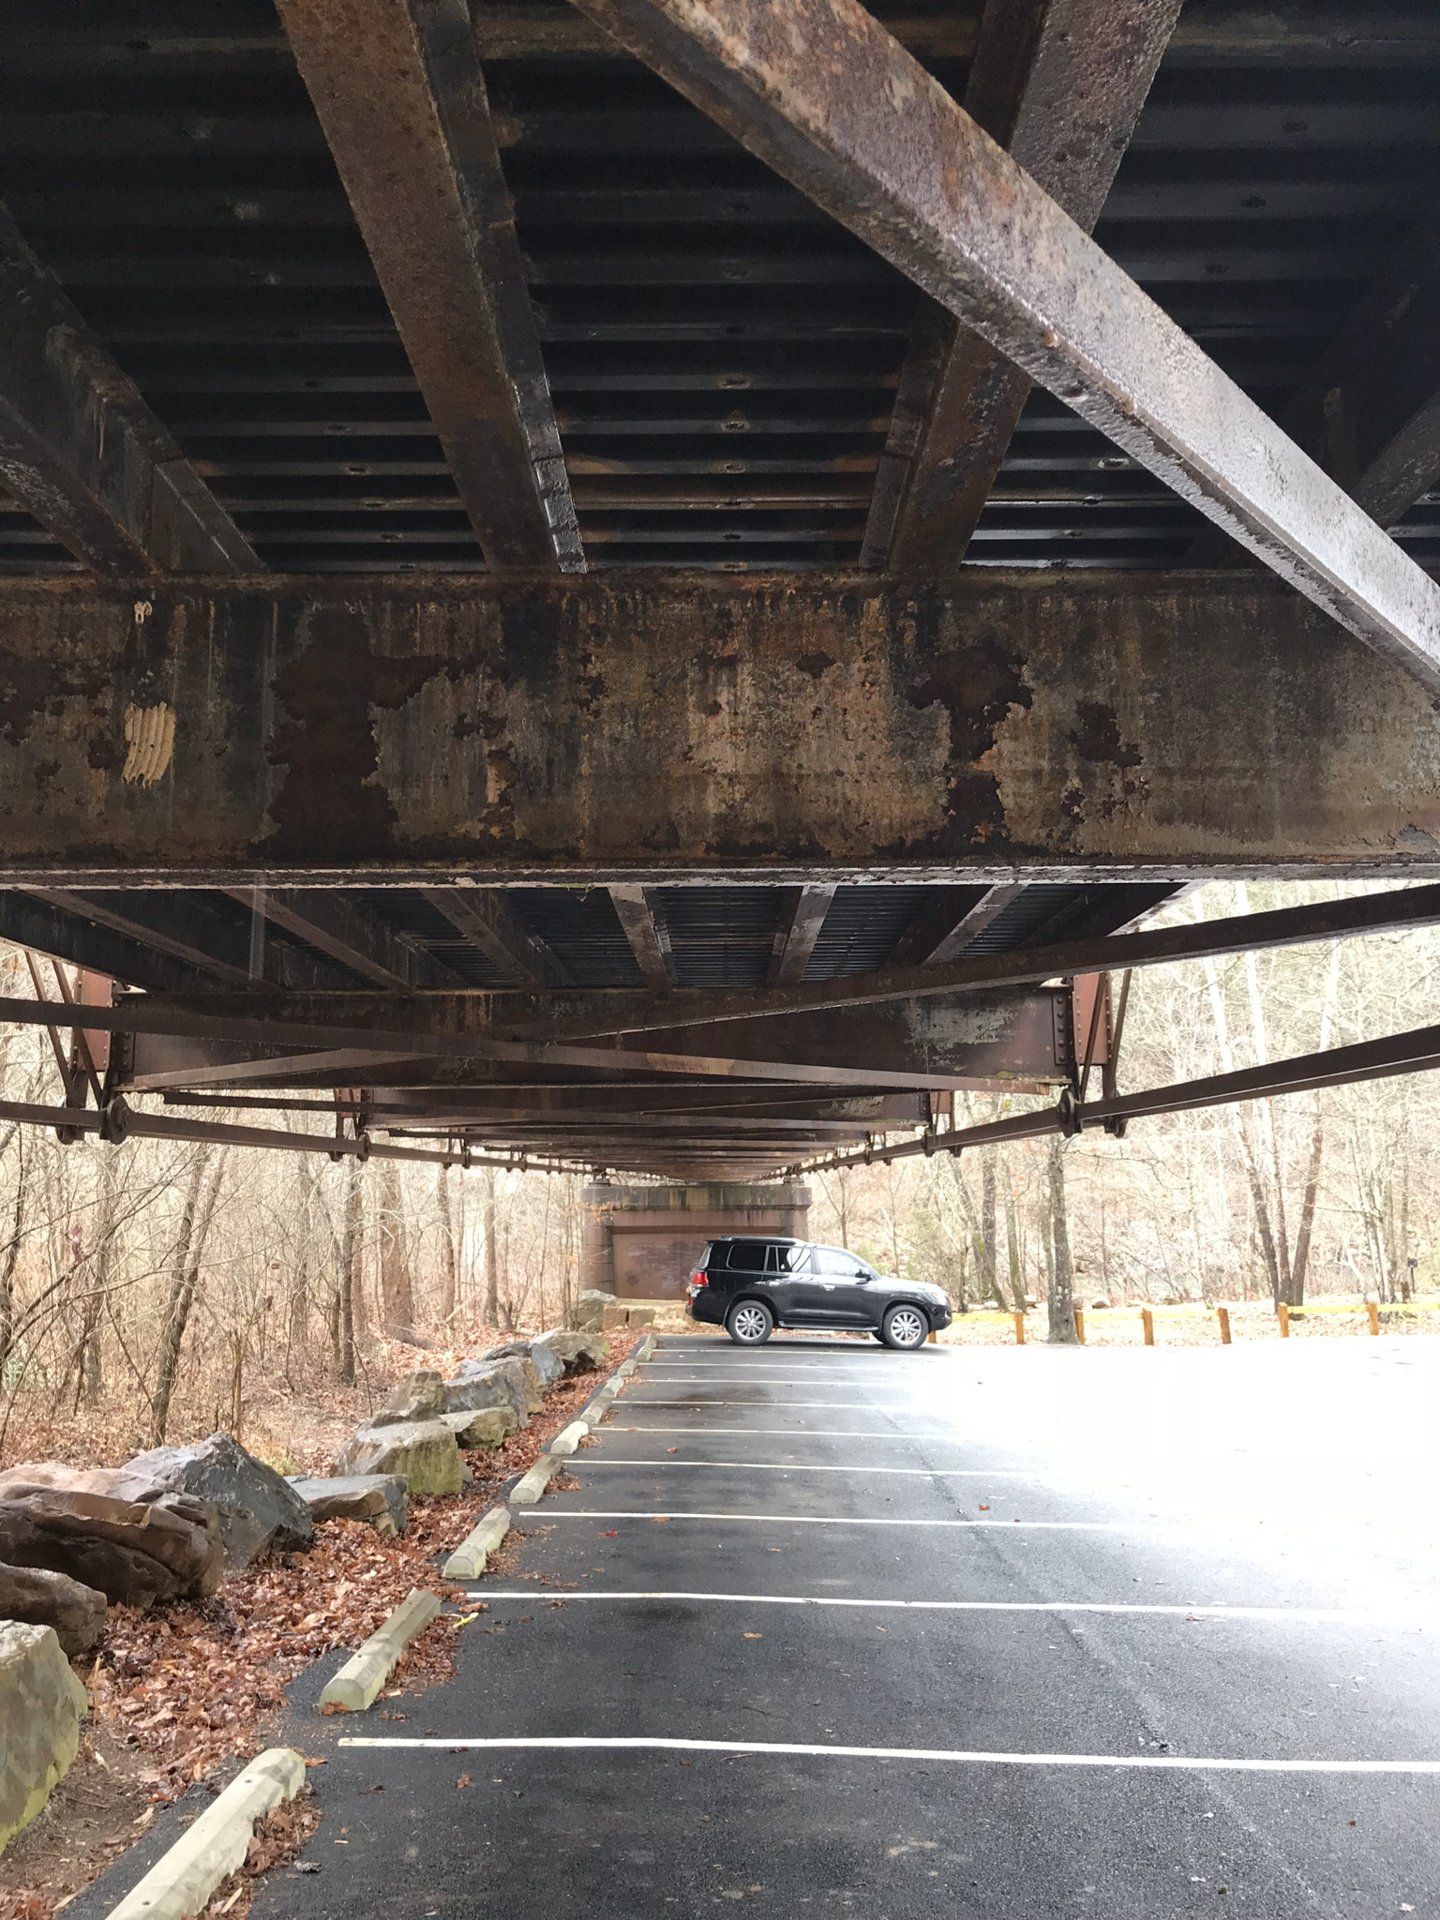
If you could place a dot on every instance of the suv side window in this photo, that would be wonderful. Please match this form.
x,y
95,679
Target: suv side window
x,y
786,1260
843,1265
747,1256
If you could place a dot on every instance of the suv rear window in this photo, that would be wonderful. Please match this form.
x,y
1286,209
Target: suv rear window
x,y
745,1256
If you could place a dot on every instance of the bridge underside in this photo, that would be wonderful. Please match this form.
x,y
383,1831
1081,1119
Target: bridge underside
x,y
626,584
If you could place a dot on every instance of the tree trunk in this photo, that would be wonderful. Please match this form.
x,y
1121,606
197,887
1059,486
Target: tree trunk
x,y
492,1263
184,1278
449,1250
349,1276
989,1271
10,1256
397,1295
1062,1286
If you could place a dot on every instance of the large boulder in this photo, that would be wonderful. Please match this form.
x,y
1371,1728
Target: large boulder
x,y
547,1364
112,1530
576,1351
483,1427
41,1706
507,1350
590,1309
494,1383
258,1508
519,1353
419,1396
44,1599
424,1453
378,1499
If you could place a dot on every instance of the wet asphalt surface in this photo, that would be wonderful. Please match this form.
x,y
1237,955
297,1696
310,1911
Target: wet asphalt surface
x,y
1165,1557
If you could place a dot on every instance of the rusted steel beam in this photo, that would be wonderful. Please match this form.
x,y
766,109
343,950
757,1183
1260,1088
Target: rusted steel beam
x,y
339,926
30,920
801,920
1417,1051
491,921
1350,917
1369,412
636,728
185,928
1292,33
81,450
820,91
1059,84
401,97
934,938
646,932
166,1126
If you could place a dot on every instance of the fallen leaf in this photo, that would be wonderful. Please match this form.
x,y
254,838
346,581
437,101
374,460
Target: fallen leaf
x,y
752,1636
465,1781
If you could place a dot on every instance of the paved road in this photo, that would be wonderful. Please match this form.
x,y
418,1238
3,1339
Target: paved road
x,y
990,1635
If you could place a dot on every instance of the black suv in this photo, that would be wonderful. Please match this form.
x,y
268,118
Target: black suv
x,y
750,1287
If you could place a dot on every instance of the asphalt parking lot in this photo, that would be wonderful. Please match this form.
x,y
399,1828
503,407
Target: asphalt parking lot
x,y
965,1633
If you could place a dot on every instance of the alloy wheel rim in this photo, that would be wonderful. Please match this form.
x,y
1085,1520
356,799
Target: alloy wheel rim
x,y
750,1323
906,1326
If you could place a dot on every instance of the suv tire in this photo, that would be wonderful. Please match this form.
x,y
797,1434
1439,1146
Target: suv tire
x,y
749,1323
904,1327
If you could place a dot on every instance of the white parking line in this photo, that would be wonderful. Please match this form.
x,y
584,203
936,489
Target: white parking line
x,y
1297,1616
870,1520
807,1433
593,1459
1175,1762
768,1406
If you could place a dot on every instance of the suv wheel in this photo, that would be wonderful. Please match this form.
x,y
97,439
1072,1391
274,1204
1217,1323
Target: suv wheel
x,y
749,1323
905,1327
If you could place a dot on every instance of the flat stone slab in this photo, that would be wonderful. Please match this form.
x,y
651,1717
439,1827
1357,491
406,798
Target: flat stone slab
x,y
424,1453
376,1498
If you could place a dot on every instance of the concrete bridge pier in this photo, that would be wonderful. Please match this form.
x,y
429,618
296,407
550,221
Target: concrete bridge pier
x,y
642,1241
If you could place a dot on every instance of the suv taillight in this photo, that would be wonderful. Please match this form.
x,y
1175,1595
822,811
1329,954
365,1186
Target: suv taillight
x,y
699,1278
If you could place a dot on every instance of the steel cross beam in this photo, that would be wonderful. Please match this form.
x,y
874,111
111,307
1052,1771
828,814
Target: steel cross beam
x,y
1369,411
401,98
81,449
821,92
1060,85
1417,1051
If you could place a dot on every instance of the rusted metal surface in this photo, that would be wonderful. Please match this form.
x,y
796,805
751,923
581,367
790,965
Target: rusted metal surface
x,y
824,95
1292,30
487,919
401,97
348,933
1022,1039
83,452
29,920
971,924
1060,85
1369,412
632,727
797,934
189,929
645,931
1417,1051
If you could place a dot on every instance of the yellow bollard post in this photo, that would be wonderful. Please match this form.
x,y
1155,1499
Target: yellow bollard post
x,y
1147,1322
1373,1313
934,1339
1080,1325
1222,1314
1282,1314
1019,1320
